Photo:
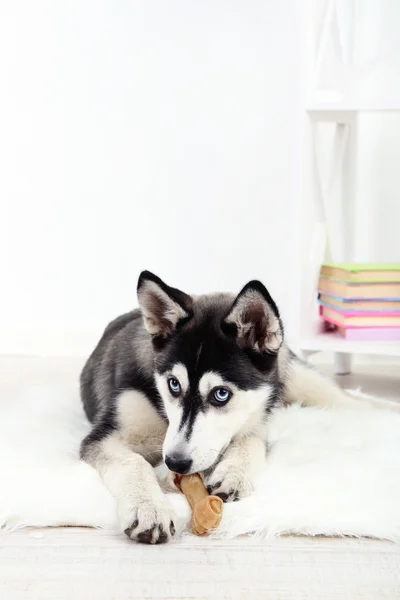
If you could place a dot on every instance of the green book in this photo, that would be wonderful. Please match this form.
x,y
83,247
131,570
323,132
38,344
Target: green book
x,y
362,272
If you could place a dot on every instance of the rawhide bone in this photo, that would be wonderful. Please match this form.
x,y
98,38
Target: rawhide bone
x,y
206,509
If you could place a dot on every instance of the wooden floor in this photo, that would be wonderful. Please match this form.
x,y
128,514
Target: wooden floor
x,y
84,564
382,380
81,564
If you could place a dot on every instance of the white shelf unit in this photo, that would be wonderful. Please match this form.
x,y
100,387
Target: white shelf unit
x,y
330,205
333,342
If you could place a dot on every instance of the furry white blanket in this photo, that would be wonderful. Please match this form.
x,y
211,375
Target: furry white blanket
x,y
331,472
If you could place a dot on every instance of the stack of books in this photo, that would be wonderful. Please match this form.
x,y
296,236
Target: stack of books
x,y
361,301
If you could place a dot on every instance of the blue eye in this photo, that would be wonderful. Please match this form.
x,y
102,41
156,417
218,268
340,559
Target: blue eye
x,y
174,386
221,395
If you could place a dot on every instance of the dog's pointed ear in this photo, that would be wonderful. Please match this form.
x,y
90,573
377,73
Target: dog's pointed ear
x,y
254,319
163,307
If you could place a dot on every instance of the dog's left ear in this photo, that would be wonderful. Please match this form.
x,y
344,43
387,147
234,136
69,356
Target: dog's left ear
x,y
256,319
163,307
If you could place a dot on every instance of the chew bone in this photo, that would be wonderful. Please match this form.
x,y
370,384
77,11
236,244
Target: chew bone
x,y
206,510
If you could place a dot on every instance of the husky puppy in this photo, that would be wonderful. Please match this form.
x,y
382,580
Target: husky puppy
x,y
190,380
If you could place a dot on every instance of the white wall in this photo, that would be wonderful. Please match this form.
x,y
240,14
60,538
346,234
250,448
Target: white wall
x,y
377,56
141,134
378,224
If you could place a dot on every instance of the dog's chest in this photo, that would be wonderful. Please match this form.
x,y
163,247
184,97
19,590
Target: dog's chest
x,y
139,424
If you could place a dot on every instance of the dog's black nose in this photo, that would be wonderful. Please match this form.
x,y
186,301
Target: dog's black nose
x,y
178,463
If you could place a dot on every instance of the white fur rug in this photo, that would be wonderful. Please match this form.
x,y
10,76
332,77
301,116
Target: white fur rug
x,y
329,472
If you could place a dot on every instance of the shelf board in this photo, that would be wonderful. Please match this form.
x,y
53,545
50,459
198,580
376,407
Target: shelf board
x,y
333,342
389,106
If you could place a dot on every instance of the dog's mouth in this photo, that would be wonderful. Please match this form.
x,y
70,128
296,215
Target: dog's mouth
x,y
211,468
185,465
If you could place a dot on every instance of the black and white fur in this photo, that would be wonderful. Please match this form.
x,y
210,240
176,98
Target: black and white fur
x,y
191,380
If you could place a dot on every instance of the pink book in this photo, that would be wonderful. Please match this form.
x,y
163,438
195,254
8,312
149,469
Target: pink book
x,y
365,320
363,334
370,313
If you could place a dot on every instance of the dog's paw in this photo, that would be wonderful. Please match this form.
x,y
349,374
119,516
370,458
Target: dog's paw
x,y
168,482
229,481
149,522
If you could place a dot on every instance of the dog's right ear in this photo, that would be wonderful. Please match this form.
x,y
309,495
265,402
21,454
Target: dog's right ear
x,y
163,307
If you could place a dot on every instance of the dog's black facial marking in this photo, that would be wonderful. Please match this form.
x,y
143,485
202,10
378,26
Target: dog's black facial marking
x,y
206,346
208,343
192,405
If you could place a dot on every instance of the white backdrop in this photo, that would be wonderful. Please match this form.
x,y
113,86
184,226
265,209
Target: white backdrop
x,y
145,134
160,135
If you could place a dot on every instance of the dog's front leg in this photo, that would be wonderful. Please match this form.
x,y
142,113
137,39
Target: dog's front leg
x,y
144,513
234,475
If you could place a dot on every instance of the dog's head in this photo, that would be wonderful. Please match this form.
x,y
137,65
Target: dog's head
x,y
216,366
